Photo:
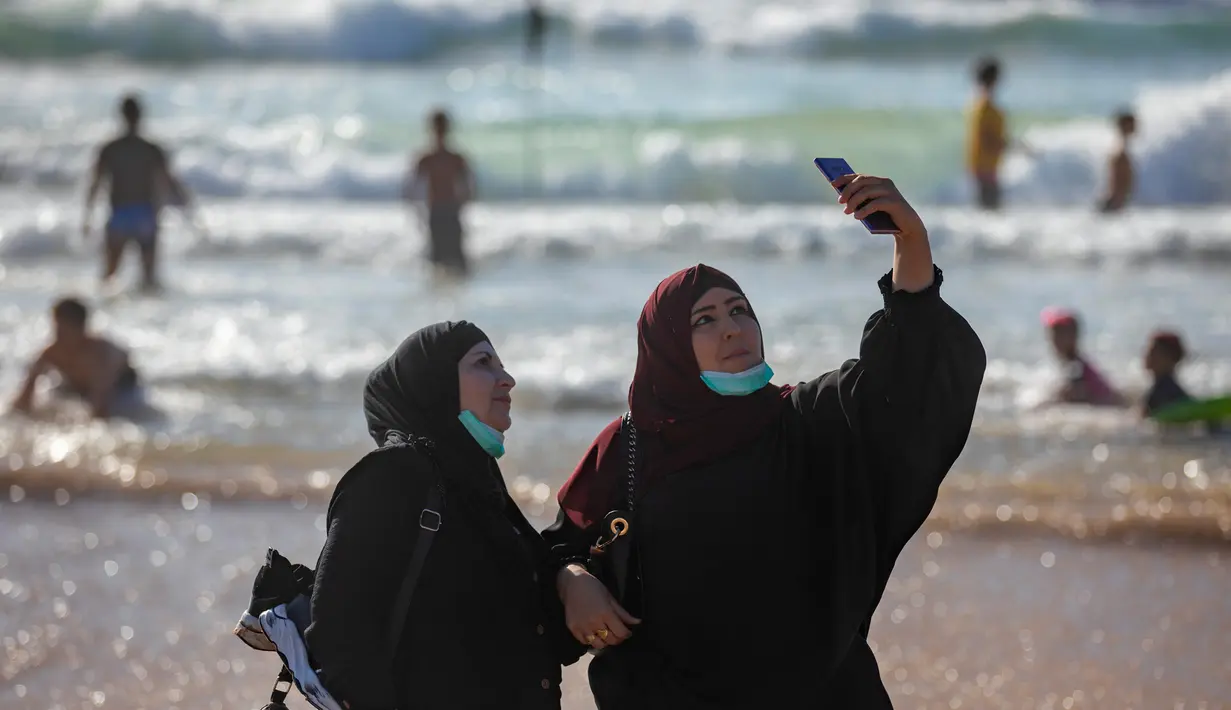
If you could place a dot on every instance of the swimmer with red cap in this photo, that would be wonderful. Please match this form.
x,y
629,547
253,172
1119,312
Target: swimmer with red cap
x,y
1082,383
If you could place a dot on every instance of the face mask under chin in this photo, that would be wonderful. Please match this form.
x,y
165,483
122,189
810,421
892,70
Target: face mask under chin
x,y
491,440
738,384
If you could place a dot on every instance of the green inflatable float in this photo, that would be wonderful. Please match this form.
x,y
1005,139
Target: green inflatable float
x,y
1196,410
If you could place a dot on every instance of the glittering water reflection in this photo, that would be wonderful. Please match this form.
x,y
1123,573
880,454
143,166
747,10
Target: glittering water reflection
x,y
133,604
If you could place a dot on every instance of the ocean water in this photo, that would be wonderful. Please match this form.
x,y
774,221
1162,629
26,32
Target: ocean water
x,y
654,136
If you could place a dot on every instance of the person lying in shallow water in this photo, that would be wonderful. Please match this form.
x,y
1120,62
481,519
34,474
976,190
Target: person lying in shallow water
x,y
766,519
90,366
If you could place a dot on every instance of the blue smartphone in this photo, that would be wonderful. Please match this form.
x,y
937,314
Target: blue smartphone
x,y
877,222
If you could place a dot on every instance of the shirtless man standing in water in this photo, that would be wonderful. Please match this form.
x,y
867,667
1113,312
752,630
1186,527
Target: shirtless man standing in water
x,y
1120,167
450,185
90,366
138,174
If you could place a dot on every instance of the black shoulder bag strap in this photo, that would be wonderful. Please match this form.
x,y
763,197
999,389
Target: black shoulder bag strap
x,y
628,437
429,523
622,555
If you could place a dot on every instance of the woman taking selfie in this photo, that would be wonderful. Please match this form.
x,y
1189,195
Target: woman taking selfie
x,y
483,628
765,520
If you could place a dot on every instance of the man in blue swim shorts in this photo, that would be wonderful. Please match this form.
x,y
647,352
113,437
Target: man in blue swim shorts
x,y
140,181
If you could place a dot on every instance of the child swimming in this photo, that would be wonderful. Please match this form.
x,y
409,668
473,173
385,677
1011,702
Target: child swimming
x,y
1083,384
1163,356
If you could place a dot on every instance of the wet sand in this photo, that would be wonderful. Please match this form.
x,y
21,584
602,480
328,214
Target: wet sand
x,y
131,605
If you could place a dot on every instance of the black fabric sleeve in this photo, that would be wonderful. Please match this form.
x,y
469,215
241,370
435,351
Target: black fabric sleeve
x,y
569,544
566,649
911,403
373,525
908,402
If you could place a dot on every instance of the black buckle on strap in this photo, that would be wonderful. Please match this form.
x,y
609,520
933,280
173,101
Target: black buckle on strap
x,y
429,520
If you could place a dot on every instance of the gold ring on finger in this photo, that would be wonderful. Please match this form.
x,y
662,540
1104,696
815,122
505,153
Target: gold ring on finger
x,y
590,638
602,634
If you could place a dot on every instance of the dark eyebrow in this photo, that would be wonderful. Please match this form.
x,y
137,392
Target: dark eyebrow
x,y
727,302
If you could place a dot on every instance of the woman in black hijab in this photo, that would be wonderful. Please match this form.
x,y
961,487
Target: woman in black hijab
x,y
484,628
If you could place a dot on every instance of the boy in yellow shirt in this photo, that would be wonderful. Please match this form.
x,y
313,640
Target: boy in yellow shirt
x,y
986,141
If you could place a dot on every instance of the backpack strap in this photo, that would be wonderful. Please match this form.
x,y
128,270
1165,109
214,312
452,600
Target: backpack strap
x,y
429,522
282,686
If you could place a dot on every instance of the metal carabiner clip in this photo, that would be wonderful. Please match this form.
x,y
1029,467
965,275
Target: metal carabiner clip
x,y
617,527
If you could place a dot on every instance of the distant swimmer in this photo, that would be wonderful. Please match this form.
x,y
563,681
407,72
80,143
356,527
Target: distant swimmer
x,y
1082,384
139,180
536,28
1163,356
986,136
90,367
449,185
1120,167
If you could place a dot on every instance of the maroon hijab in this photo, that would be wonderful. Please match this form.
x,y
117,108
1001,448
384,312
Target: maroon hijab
x,y
680,421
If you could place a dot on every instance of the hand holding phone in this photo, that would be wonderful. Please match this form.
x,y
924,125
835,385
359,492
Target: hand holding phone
x,y
877,222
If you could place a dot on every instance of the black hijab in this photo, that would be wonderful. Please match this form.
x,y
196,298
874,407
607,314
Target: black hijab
x,y
414,394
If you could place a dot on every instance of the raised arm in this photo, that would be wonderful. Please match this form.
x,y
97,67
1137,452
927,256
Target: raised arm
x,y
369,542
909,400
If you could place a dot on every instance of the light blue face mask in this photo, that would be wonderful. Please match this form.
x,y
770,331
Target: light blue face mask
x,y
739,383
491,440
